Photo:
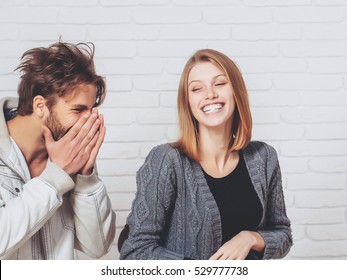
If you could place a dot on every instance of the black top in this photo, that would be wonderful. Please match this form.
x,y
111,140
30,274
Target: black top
x,y
237,201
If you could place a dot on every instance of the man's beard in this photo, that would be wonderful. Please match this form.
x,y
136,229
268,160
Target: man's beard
x,y
55,126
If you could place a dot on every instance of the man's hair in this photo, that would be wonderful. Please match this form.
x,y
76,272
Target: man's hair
x,y
242,120
55,71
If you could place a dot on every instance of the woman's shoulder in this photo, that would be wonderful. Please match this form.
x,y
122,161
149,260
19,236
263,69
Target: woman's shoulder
x,y
163,153
261,151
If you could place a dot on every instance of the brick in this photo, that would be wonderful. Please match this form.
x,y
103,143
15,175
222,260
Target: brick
x,y
7,66
132,100
9,83
308,14
315,181
122,200
330,65
119,183
169,49
276,3
307,82
267,32
326,98
119,151
270,99
213,3
314,115
289,198
318,249
175,65
273,65
12,3
132,66
114,49
251,49
77,3
121,218
134,133
237,15
120,32
117,83
115,167
329,2
309,48
156,83
265,116
134,2
314,148
171,133
298,232
118,116
327,232
327,31
28,15
277,132
168,99
195,32
166,15
9,32
258,81
293,165
157,116
311,216
327,131
330,164
52,33
94,15
321,199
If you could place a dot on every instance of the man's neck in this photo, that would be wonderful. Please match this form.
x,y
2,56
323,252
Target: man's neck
x,y
27,133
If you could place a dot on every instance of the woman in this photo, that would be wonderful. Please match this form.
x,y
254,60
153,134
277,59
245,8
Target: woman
x,y
213,194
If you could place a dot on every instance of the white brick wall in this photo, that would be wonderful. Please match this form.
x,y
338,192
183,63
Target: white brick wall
x,y
293,54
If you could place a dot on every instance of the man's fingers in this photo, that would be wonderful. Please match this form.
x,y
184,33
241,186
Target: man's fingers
x,y
77,127
47,135
85,129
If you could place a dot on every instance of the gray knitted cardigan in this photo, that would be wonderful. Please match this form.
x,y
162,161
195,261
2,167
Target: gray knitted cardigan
x,y
174,214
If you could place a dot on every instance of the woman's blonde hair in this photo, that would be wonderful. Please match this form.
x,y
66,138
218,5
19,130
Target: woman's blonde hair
x,y
242,119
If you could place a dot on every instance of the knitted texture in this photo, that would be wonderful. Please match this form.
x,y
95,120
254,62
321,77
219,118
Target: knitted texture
x,y
174,214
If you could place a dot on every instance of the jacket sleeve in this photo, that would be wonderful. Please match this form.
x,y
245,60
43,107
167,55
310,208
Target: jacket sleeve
x,y
95,221
22,216
277,231
151,208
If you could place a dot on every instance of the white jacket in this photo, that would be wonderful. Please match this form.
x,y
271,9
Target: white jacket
x,y
49,216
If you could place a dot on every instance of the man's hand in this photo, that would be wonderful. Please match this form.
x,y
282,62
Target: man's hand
x,y
74,149
94,147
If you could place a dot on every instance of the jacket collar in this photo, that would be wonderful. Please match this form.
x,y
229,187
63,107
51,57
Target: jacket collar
x,y
5,140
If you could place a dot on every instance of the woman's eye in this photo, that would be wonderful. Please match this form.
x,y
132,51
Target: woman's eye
x,y
220,84
195,89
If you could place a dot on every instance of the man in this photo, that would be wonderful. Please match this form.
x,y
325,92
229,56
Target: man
x,y
51,200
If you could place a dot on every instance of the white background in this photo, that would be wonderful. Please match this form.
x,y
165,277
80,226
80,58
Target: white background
x,y
293,54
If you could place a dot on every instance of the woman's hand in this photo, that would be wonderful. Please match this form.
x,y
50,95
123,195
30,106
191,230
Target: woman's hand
x,y
239,246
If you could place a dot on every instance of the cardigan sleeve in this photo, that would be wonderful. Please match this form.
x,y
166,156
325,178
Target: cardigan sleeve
x,y
151,208
277,231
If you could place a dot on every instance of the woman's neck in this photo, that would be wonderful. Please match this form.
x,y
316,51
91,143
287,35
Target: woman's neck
x,y
215,156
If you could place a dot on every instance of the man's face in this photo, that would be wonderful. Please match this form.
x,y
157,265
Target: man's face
x,y
68,109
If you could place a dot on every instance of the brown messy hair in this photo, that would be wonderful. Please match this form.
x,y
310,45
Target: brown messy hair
x,y
242,119
56,71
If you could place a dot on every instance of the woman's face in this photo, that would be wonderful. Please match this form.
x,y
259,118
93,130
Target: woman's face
x,y
210,95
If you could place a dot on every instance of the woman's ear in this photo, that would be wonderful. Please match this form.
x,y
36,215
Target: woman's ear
x,y
39,106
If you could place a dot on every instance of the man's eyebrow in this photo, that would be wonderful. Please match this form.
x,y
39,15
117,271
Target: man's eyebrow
x,y
80,107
